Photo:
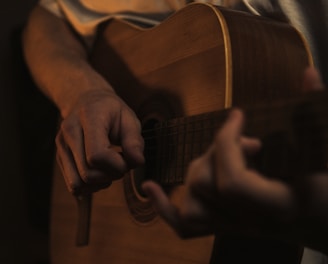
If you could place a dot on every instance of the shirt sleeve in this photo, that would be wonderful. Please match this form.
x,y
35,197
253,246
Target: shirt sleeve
x,y
52,6
84,19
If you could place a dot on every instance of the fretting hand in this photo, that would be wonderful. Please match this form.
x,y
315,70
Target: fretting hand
x,y
223,195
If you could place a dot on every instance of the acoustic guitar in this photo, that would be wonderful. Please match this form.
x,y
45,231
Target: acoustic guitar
x,y
180,77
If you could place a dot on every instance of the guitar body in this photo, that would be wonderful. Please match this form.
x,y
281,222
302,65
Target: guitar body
x,y
199,60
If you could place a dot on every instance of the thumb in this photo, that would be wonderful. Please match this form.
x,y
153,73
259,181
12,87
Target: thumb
x,y
312,80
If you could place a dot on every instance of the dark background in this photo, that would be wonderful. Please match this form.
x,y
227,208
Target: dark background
x,y
27,127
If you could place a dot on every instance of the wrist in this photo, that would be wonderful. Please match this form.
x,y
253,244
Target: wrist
x,y
77,88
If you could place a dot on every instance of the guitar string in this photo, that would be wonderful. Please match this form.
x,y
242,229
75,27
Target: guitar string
x,y
174,129
189,121
173,141
181,165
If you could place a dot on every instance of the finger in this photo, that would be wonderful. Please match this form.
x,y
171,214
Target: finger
x,y
74,182
312,80
67,166
250,146
72,139
234,179
162,203
99,152
200,185
228,153
186,224
131,139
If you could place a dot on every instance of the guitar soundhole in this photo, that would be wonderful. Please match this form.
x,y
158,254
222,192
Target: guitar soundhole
x,y
140,207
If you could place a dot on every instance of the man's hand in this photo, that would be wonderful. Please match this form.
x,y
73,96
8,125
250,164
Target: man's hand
x,y
88,138
224,195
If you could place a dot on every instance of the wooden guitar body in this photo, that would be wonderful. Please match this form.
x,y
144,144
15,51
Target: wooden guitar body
x,y
199,60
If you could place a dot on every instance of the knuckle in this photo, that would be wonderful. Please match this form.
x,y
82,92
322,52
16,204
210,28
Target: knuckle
x,y
86,112
109,162
96,177
67,128
95,158
74,188
86,176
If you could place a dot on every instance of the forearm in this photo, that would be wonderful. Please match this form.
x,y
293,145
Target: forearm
x,y
58,60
